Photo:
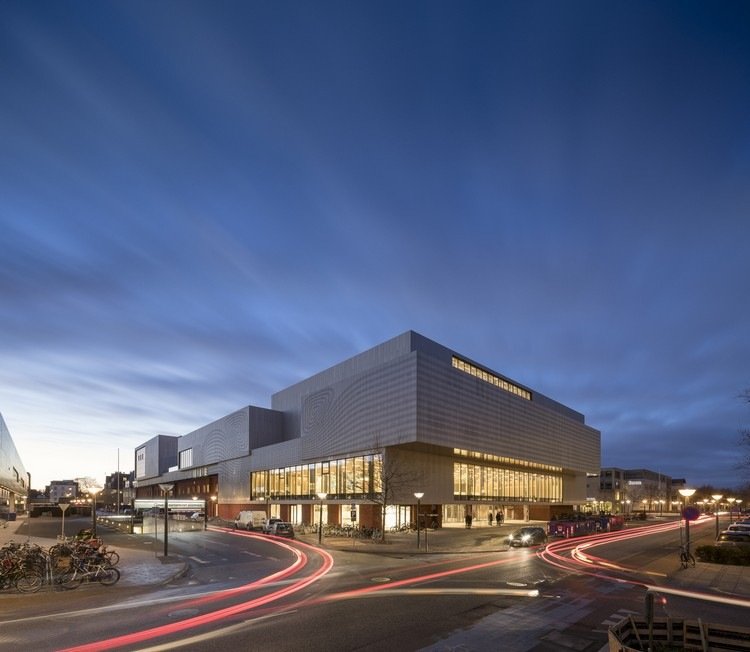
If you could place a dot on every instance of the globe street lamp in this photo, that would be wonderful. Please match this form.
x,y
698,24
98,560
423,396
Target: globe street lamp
x,y
717,498
418,495
92,492
166,487
322,495
686,493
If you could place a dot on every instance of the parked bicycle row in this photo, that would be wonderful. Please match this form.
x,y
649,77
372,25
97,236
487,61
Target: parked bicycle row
x,y
27,567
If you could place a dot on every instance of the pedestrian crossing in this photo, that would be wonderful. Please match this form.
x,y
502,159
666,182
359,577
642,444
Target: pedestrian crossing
x,y
615,618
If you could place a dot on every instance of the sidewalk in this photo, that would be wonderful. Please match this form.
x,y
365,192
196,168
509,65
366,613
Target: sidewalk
x,y
448,539
138,568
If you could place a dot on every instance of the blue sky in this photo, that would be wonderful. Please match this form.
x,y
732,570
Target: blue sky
x,y
206,202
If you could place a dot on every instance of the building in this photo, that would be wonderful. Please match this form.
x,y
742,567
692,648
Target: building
x,y
640,490
407,416
117,491
63,491
14,480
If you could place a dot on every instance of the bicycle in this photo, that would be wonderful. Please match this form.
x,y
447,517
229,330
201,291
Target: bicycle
x,y
90,570
686,558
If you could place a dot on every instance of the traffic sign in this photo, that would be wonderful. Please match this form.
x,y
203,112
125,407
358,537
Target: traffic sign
x,y
691,513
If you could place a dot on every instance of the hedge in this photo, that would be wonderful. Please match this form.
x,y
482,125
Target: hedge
x,y
732,555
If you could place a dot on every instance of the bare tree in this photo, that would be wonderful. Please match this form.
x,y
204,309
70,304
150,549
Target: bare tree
x,y
394,480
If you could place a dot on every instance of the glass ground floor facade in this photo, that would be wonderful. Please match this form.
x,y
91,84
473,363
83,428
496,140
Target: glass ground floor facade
x,y
363,477
481,484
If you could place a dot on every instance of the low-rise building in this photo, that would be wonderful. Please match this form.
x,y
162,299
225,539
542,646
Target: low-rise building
x,y
624,491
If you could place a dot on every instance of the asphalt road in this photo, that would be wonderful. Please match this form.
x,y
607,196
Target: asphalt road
x,y
252,592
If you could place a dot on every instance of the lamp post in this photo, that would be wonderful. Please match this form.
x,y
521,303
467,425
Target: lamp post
x,y
214,507
686,493
92,492
322,495
166,487
418,495
730,501
739,513
717,498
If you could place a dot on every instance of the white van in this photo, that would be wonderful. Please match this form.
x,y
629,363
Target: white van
x,y
250,520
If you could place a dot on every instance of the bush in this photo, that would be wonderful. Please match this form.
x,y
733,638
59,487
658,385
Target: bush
x,y
731,555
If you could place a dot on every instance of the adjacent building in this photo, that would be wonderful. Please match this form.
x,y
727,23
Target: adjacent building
x,y
14,480
360,439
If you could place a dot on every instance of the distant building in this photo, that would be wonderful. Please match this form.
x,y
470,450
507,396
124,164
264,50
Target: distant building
x,y
14,480
118,489
406,416
62,491
634,490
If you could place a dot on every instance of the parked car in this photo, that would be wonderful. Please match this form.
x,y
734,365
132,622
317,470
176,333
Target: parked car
x,y
267,526
739,527
282,529
527,536
733,539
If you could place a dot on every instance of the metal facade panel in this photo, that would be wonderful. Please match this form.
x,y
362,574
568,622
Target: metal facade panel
x,y
459,410
362,412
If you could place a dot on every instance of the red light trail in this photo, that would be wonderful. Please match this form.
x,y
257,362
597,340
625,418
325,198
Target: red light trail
x,y
219,614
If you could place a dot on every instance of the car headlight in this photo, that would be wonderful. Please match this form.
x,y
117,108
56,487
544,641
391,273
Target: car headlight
x,y
525,537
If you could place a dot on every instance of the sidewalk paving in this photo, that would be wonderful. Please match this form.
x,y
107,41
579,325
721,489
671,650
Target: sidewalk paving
x,y
137,568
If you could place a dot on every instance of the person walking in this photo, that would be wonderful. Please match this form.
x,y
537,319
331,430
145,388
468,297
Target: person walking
x,y
490,517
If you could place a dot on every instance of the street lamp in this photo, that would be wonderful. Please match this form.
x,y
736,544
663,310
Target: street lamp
x,y
93,491
166,487
686,493
730,501
214,507
418,495
717,498
322,495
